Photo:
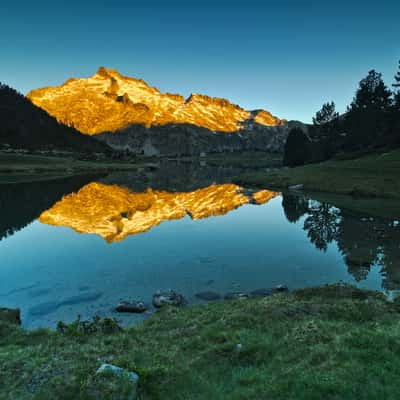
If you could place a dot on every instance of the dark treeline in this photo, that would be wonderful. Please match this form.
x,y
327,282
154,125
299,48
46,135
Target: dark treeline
x,y
26,126
372,121
22,203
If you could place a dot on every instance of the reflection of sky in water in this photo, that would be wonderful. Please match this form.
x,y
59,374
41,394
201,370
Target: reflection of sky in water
x,y
249,248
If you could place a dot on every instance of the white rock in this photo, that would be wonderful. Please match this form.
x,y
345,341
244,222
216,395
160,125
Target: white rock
x,y
117,371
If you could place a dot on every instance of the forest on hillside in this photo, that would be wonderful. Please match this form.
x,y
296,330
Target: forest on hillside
x,y
371,122
25,126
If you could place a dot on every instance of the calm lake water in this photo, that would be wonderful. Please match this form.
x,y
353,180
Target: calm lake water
x,y
79,245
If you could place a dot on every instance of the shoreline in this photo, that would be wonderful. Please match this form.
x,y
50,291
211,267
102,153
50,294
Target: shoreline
x,y
291,339
370,176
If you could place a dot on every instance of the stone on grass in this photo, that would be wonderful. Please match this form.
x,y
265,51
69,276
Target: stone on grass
x,y
120,372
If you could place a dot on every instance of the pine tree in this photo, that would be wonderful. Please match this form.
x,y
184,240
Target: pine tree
x,y
296,150
395,129
326,115
372,94
367,115
396,85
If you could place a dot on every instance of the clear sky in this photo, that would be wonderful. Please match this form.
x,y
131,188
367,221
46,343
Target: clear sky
x,y
285,56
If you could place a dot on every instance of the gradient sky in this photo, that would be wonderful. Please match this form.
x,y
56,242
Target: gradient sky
x,y
285,56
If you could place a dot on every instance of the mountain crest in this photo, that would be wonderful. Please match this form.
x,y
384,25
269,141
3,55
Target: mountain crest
x,y
109,101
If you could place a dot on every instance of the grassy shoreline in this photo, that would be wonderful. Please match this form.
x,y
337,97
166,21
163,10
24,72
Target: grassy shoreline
x,y
34,163
335,342
374,175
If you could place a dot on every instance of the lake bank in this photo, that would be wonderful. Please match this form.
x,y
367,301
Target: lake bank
x,y
23,167
14,165
375,175
332,342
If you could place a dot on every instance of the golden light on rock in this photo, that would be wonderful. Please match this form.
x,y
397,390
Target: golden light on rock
x,y
114,212
109,101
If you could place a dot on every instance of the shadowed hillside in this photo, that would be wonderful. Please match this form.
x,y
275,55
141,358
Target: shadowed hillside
x,y
25,126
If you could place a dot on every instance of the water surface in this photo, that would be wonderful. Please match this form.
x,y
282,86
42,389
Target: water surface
x,y
79,245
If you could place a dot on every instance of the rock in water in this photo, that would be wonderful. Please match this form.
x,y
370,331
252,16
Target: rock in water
x,y
12,315
208,296
170,298
120,372
281,288
236,296
131,307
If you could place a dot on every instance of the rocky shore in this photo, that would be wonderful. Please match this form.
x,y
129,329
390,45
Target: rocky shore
x,y
312,343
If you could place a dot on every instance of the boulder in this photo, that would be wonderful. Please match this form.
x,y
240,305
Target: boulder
x,y
169,298
120,372
11,315
131,307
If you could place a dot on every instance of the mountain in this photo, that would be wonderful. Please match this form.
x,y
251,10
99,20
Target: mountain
x,y
109,101
128,114
23,125
114,212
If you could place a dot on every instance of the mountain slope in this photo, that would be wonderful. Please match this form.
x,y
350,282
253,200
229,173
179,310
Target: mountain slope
x,y
24,125
109,101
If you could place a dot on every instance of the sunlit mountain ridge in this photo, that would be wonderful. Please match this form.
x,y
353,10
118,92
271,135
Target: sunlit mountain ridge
x,y
109,101
113,212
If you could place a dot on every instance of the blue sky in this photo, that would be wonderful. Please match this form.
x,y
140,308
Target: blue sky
x,y
285,56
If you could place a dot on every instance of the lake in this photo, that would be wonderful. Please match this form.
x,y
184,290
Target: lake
x,y
79,245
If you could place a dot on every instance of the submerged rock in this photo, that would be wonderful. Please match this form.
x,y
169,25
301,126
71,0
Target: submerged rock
x,y
281,288
208,296
262,292
170,298
39,292
51,306
131,307
12,315
236,296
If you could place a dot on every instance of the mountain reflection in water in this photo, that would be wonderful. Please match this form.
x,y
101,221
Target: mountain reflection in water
x,y
114,212
298,239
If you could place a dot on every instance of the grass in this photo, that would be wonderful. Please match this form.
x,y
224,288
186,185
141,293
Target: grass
x,y
337,342
374,175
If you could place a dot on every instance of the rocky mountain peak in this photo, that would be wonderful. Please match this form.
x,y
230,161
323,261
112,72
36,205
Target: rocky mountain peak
x,y
109,102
